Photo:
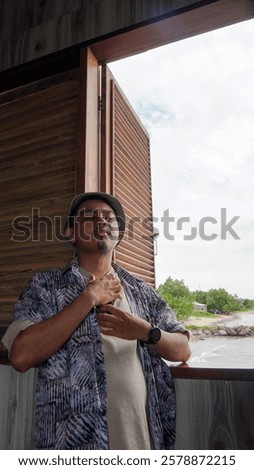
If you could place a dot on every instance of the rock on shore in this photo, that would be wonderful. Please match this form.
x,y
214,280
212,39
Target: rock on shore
x,y
204,333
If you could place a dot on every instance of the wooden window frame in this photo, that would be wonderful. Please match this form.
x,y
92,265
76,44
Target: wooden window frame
x,y
200,17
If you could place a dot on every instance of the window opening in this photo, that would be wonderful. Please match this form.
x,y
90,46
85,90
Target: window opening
x,y
196,99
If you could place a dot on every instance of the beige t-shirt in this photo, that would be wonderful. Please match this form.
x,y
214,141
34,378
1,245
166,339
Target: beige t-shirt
x,y
127,393
126,389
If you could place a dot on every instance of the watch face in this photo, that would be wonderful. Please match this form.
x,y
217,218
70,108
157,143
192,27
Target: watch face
x,y
155,335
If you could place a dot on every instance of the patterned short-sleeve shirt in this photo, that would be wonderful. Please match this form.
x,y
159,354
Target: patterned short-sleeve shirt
x,y
71,393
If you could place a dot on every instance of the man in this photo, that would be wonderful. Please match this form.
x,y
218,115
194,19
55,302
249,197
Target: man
x,y
99,335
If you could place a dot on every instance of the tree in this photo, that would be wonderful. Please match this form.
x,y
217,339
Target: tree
x,y
199,296
174,288
247,303
178,297
220,300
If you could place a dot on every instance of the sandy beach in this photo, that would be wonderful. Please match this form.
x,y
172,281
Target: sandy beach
x,y
232,319
208,321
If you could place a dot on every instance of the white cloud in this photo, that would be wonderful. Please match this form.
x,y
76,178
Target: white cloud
x,y
196,99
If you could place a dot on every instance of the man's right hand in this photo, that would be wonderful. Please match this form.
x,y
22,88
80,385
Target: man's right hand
x,y
104,290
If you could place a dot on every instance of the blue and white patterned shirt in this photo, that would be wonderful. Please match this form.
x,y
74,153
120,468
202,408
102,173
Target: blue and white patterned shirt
x,y
71,393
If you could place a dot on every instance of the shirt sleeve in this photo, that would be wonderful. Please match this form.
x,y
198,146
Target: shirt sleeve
x,y
37,302
29,309
14,329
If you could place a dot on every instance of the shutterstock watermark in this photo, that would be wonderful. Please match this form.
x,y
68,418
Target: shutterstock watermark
x,y
223,225
39,227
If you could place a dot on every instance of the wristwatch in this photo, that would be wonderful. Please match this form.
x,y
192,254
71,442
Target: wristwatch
x,y
153,337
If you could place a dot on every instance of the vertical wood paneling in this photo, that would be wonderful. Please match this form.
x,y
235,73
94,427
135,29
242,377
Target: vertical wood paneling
x,y
38,134
17,415
214,414
18,16
126,174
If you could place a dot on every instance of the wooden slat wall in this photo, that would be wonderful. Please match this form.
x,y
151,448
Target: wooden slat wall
x,y
38,134
131,184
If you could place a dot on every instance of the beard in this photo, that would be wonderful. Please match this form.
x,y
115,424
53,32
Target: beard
x,y
102,246
102,237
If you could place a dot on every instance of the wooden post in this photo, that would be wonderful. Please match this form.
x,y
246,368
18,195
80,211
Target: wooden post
x,y
87,168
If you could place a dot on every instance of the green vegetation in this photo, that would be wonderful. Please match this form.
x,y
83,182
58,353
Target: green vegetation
x,y
181,299
202,314
178,296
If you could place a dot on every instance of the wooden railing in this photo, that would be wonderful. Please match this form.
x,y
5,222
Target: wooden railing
x,y
186,371
215,407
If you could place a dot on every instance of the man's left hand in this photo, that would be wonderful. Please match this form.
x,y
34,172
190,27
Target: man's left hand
x,y
116,322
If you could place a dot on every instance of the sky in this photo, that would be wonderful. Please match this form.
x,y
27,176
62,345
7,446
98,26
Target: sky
x,y
196,99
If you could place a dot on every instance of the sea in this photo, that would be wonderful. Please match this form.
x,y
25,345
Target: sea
x,y
225,351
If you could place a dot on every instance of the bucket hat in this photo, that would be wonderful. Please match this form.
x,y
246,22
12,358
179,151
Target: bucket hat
x,y
108,198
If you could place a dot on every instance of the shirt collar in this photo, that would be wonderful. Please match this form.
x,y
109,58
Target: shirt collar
x,y
72,266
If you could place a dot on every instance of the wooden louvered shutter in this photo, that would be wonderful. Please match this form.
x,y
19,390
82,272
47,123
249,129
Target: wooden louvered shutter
x,y
125,173
38,137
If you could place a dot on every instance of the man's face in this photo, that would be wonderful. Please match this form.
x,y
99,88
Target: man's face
x,y
95,227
